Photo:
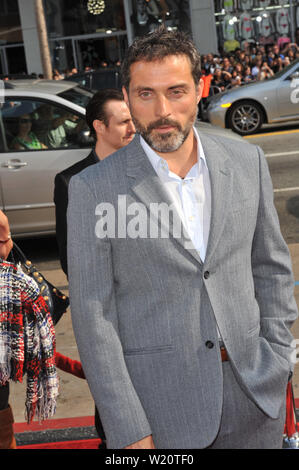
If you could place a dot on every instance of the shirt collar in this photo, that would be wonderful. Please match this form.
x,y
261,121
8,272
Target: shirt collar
x,y
158,162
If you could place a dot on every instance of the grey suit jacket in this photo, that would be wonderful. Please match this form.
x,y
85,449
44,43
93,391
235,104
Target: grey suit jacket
x,y
145,310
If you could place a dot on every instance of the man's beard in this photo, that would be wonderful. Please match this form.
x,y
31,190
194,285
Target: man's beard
x,y
166,142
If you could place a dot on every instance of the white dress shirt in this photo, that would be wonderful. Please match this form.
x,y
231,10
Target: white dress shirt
x,y
191,195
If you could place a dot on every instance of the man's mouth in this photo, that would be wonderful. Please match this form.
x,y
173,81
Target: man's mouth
x,y
164,129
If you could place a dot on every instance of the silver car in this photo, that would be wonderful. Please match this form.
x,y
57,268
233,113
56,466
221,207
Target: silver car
x,y
42,132
246,108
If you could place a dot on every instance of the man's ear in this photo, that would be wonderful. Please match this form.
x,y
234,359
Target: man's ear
x,y
98,126
200,90
126,96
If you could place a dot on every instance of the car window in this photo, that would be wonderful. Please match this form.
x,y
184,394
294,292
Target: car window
x,y
286,69
37,125
78,95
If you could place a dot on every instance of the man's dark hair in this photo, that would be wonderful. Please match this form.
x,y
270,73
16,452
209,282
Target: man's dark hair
x,y
96,108
156,46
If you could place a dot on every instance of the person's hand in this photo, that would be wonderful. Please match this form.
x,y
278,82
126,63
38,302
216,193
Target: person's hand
x,y
6,243
145,443
5,249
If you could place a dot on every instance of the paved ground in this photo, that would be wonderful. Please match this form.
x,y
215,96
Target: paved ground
x,y
74,399
282,153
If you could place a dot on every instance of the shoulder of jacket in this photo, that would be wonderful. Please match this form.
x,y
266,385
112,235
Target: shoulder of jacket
x,y
231,142
72,170
109,168
242,154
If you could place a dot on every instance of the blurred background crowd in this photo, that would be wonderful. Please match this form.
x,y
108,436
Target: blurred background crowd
x,y
225,70
254,62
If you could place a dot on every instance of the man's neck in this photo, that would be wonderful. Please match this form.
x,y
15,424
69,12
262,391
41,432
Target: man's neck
x,y
102,151
182,160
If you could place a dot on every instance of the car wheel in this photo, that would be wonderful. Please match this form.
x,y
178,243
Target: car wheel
x,y
245,117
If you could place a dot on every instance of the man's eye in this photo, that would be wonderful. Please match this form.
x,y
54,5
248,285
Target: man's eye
x,y
145,94
177,92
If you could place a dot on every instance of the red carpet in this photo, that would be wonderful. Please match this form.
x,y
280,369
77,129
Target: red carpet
x,y
54,424
82,444
68,433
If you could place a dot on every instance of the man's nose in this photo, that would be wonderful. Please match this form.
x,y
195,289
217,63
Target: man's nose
x,y
131,128
162,107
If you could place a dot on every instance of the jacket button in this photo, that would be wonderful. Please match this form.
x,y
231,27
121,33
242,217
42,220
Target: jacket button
x,y
209,344
206,275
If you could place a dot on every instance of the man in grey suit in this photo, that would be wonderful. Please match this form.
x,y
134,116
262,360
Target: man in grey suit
x,y
181,284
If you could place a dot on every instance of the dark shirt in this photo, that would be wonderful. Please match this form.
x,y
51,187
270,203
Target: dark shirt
x,y
219,83
62,180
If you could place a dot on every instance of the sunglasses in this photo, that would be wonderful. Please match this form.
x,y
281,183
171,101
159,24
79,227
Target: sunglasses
x,y
25,121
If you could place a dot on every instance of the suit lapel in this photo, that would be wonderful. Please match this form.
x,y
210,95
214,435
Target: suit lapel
x,y
147,186
221,177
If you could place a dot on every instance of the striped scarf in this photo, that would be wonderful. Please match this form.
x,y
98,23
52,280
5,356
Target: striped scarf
x,y
27,341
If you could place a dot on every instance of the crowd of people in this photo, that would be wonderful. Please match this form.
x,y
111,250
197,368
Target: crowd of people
x,y
224,71
57,75
244,66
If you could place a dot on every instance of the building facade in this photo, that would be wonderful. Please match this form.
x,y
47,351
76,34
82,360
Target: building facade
x,y
91,33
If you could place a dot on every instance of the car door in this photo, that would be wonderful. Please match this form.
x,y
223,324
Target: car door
x,y
288,96
41,139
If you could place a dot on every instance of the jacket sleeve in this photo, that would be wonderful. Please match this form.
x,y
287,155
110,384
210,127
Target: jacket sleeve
x,y
61,203
95,322
272,271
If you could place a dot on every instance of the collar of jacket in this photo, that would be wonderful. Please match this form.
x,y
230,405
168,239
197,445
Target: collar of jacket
x,y
148,188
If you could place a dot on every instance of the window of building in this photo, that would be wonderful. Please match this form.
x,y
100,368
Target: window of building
x,y
82,40
147,15
10,24
72,17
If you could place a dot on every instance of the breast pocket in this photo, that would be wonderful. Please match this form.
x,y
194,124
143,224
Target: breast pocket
x,y
241,222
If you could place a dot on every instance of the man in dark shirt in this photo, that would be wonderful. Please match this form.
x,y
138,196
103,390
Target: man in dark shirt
x,y
109,120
